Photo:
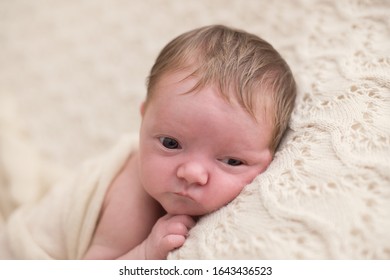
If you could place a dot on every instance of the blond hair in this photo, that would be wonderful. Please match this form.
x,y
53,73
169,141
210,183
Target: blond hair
x,y
237,62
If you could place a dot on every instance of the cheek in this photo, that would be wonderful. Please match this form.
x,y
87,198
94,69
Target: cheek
x,y
225,189
228,187
153,171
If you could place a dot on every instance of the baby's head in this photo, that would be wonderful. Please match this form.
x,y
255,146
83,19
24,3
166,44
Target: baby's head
x,y
218,103
245,68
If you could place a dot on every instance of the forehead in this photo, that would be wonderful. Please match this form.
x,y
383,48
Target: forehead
x,y
183,81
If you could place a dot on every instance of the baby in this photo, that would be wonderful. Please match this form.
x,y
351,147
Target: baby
x,y
218,103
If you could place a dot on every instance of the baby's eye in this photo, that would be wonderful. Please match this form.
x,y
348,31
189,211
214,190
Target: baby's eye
x,y
169,143
233,162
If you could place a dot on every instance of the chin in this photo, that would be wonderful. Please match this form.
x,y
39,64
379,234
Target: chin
x,y
185,211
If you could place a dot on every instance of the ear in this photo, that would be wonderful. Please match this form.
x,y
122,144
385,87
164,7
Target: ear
x,y
142,109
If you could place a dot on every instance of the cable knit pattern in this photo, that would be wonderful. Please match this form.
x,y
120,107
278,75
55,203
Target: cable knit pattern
x,y
74,73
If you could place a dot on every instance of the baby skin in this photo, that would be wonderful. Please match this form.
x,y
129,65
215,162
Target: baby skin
x,y
197,151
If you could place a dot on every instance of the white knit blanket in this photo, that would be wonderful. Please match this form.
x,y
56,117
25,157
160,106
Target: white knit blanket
x,y
73,75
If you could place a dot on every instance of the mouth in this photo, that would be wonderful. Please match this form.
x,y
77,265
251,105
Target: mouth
x,y
183,194
183,203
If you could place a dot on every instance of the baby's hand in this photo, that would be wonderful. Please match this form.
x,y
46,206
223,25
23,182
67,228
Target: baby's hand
x,y
167,234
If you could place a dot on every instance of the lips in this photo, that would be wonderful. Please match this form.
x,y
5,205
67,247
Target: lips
x,y
183,194
182,202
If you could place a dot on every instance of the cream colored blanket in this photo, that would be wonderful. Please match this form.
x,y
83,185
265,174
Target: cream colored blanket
x,y
73,74
61,224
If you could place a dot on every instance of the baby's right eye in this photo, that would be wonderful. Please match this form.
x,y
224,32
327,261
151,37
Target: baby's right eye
x,y
170,143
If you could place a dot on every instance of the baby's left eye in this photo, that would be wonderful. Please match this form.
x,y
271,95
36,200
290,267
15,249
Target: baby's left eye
x,y
233,162
170,143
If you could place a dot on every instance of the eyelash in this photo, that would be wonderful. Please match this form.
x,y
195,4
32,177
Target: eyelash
x,y
173,144
169,143
233,162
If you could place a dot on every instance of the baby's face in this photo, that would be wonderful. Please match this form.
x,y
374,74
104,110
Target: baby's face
x,y
197,151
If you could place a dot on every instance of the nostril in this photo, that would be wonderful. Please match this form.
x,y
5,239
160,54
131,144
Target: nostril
x,y
203,179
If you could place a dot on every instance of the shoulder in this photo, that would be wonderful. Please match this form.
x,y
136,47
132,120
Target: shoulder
x,y
126,217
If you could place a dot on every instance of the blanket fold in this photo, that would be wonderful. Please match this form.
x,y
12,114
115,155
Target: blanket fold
x,y
61,225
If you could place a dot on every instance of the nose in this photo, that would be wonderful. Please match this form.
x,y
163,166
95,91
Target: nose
x,y
193,173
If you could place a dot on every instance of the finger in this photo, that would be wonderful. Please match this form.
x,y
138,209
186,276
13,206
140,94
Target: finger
x,y
177,228
186,220
172,241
